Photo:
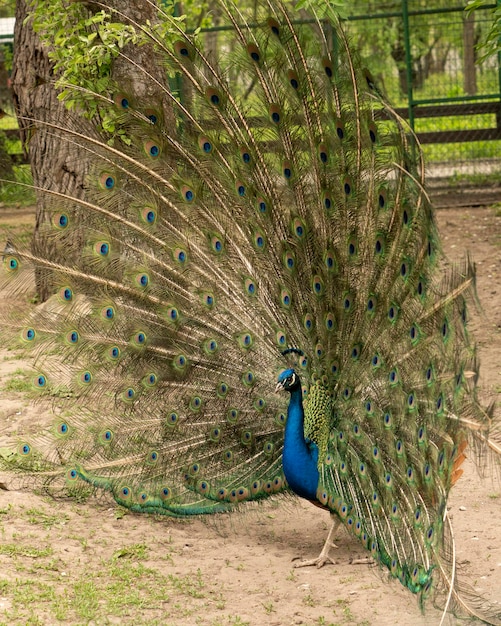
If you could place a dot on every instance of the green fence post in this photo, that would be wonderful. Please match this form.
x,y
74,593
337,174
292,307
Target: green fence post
x,y
408,61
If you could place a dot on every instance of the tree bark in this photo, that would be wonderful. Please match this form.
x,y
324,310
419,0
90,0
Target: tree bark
x,y
470,75
57,163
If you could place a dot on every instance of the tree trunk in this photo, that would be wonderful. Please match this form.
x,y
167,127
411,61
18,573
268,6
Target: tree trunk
x,y
56,163
470,76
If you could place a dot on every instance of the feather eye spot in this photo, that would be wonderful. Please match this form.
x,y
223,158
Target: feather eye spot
x,y
222,390
281,338
268,448
253,52
195,403
346,393
373,132
248,378
165,494
327,202
172,418
215,434
66,294
387,419
71,475
347,187
106,436
318,285
392,313
180,362
129,394
355,352
298,228
440,403
211,346
107,182
250,287
24,449
275,113
113,353
376,361
329,321
208,300
11,263
149,216
274,26
245,340
86,377
62,428
259,241
72,337
213,96
246,437
232,416
180,256
308,321
102,248
40,381
151,149
280,419
28,334
289,261
329,261
293,79
187,193
285,298
393,377
327,65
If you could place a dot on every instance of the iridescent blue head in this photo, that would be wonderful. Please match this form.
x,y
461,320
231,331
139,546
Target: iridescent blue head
x,y
288,380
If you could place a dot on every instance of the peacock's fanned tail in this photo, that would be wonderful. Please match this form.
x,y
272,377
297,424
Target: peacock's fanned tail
x,y
284,209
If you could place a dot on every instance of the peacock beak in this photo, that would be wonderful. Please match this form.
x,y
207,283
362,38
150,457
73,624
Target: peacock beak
x,y
279,387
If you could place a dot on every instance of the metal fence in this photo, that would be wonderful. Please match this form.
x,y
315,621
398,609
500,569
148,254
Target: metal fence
x,y
425,57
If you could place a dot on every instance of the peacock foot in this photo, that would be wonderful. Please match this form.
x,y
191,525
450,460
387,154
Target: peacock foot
x,y
323,558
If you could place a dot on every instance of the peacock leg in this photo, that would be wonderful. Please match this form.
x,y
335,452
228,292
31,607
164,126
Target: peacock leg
x,y
324,557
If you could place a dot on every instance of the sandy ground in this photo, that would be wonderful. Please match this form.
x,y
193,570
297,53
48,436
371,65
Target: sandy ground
x,y
239,569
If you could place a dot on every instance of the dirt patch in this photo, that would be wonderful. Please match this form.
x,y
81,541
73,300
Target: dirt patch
x,y
70,563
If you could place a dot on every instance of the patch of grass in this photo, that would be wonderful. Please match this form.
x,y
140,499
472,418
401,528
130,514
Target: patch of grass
x,y
38,516
18,550
18,381
15,194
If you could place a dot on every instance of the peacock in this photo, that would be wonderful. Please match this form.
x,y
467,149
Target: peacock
x,y
268,232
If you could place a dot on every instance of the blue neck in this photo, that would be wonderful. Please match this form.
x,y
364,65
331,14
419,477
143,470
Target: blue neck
x,y
299,457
